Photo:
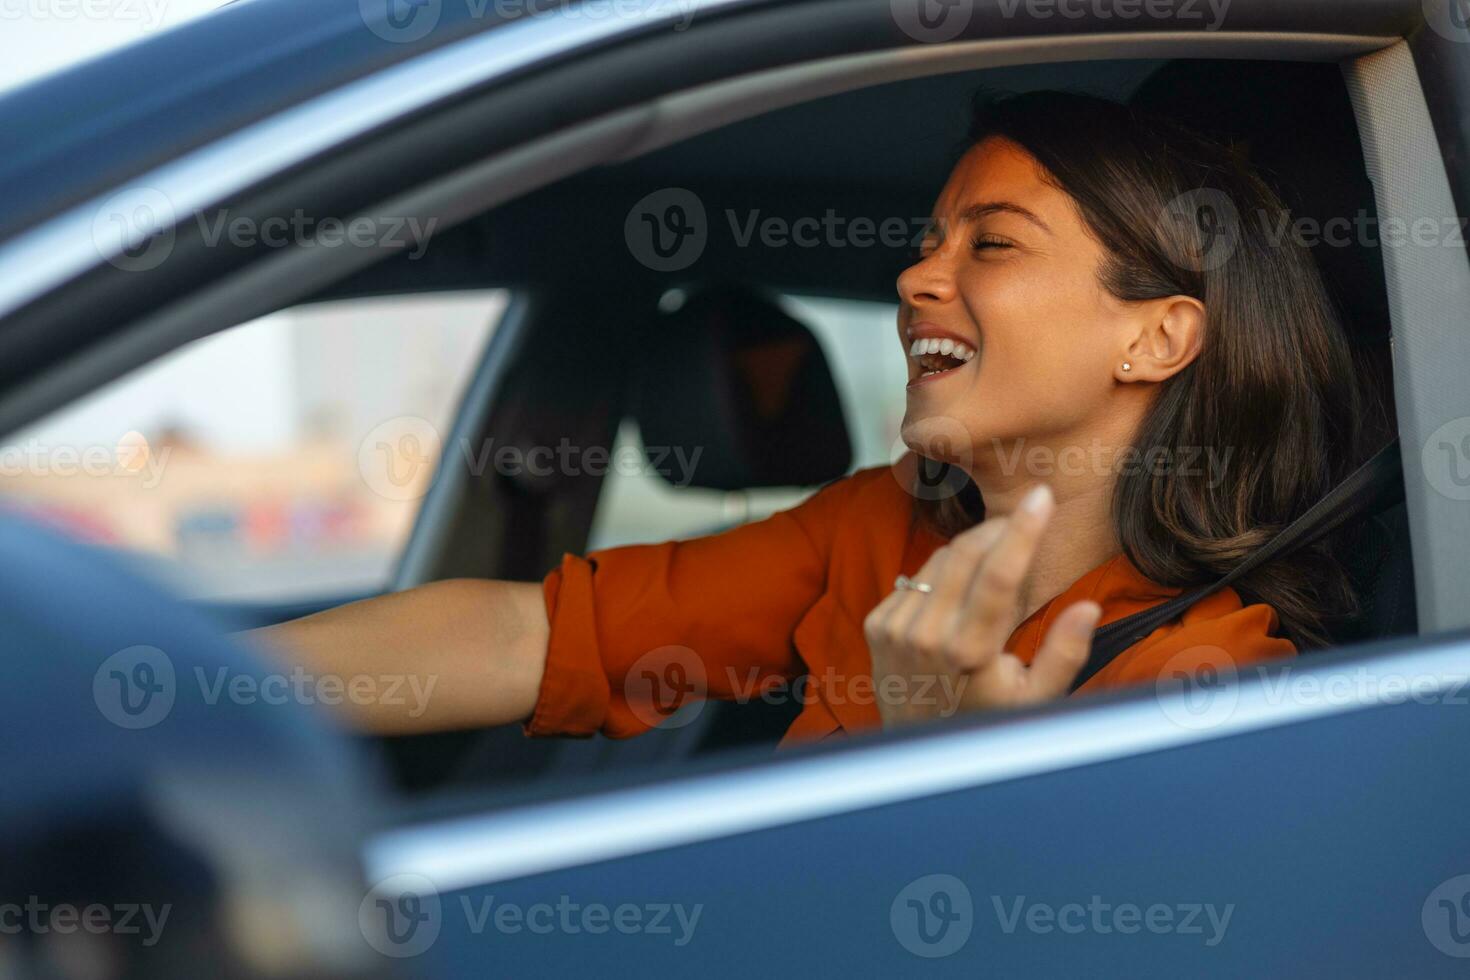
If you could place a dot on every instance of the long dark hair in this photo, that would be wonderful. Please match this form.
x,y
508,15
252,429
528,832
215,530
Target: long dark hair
x,y
1180,214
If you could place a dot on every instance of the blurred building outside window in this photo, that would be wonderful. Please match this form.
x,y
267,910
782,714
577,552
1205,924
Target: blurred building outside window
x,y
242,466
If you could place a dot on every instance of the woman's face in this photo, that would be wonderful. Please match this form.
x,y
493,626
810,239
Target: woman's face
x,y
1009,276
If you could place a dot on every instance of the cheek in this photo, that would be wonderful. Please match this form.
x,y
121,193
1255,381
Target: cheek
x,y
1045,356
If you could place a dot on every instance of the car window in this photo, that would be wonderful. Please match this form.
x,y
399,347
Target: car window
x,y
859,341
281,460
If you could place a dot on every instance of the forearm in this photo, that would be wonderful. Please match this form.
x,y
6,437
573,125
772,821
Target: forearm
x,y
462,653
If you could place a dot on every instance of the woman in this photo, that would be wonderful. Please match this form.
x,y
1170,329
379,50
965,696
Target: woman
x,y
1104,346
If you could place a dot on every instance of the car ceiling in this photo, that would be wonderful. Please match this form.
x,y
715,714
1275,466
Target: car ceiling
x,y
905,131
874,152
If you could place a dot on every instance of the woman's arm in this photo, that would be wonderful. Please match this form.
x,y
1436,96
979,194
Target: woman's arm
x,y
460,653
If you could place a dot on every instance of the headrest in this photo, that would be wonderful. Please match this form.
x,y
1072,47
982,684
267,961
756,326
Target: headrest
x,y
1293,122
733,377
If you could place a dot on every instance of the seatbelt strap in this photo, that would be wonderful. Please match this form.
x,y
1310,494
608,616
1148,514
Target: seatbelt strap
x,y
1373,487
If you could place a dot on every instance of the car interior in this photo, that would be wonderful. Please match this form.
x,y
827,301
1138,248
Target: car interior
x,y
732,371
715,358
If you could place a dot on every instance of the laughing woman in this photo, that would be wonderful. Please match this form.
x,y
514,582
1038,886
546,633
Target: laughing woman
x,y
1059,305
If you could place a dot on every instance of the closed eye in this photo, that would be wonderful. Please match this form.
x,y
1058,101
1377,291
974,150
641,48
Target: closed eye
x,y
982,242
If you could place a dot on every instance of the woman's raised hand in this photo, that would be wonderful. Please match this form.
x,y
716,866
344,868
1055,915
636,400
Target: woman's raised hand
x,y
942,651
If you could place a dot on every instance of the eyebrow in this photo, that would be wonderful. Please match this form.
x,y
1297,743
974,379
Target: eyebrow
x,y
976,211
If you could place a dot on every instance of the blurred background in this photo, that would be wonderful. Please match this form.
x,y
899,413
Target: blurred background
x,y
231,467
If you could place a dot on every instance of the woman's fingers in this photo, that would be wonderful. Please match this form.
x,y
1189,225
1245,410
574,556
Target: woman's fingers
x,y
1063,651
975,543
878,625
910,633
949,571
960,626
995,589
892,621
926,620
899,610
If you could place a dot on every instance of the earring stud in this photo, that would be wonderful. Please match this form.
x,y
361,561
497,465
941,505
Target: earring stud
x,y
1127,366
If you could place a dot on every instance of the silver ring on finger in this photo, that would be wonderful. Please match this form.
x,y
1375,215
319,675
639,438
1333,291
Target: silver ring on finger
x,y
905,584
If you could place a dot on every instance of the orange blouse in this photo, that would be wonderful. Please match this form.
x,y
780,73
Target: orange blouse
x,y
636,631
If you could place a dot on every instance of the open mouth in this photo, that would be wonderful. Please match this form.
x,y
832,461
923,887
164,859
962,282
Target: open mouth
x,y
935,356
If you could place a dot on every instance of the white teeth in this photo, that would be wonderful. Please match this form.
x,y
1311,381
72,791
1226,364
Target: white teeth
x,y
947,346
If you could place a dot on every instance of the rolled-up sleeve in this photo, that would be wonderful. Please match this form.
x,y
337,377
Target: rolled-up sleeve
x,y
638,631
574,688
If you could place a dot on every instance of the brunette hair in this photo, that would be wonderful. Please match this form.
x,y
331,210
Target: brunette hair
x,y
1180,214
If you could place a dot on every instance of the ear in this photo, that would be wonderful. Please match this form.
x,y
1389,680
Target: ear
x,y
1166,339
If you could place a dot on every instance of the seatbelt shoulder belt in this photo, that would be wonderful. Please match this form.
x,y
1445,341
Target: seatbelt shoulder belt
x,y
1372,487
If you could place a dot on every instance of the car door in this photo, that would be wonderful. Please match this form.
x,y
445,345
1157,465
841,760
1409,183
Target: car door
x,y
1184,827
1288,824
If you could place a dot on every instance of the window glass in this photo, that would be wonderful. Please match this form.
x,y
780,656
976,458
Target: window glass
x,y
282,460
860,342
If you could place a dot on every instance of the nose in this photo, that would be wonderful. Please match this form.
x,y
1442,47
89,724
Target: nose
x,y
929,280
